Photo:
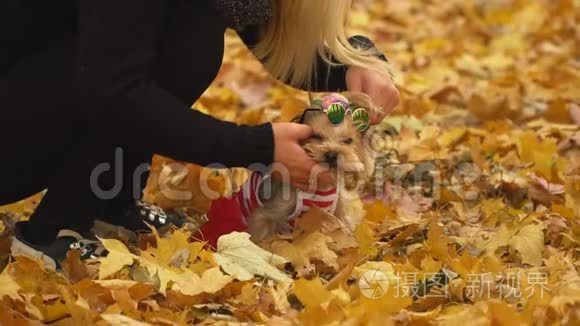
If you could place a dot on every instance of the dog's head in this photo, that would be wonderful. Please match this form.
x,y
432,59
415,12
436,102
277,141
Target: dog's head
x,y
340,147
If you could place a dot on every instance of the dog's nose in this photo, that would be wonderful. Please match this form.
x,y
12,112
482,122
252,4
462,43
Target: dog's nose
x,y
331,158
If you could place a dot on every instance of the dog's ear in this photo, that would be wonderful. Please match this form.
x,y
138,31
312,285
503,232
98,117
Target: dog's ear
x,y
307,115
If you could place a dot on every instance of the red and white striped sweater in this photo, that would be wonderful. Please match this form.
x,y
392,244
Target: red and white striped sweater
x,y
231,214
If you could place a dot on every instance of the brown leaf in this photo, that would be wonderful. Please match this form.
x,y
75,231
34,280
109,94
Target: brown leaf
x,y
319,220
73,267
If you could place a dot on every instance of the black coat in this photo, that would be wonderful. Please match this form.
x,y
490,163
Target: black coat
x,y
127,71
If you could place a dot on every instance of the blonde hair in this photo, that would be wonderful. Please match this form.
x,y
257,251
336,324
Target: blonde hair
x,y
301,29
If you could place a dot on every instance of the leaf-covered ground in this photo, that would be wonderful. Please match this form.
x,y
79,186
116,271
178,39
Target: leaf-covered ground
x,y
474,215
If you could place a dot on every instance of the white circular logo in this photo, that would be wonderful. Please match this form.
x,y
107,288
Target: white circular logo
x,y
373,284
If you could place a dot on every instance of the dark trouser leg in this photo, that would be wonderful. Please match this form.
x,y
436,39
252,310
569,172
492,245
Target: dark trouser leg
x,y
92,184
47,142
39,122
135,172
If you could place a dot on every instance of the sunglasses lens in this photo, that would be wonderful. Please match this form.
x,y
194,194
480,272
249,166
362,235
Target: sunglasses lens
x,y
361,119
336,112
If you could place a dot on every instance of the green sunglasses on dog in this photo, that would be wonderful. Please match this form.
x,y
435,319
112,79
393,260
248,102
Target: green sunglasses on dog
x,y
337,108
336,113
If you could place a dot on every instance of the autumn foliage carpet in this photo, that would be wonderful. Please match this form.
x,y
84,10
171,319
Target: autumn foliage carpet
x,y
475,220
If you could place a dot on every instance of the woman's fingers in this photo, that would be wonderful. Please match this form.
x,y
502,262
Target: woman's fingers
x,y
386,94
354,79
311,177
303,171
378,87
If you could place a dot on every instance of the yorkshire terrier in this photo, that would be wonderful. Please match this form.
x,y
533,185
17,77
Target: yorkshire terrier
x,y
266,206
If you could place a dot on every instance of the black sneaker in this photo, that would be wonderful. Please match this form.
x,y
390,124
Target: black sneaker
x,y
135,217
54,253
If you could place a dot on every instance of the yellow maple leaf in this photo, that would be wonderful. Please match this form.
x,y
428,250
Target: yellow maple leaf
x,y
118,257
168,249
321,306
529,243
436,240
200,259
122,320
451,137
8,286
158,261
371,267
502,314
541,153
366,240
307,247
375,311
248,295
497,61
166,274
563,210
430,265
316,219
491,264
242,259
378,211
527,240
558,112
311,293
190,283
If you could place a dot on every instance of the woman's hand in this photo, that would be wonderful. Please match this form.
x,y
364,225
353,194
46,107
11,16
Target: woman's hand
x,y
303,170
380,88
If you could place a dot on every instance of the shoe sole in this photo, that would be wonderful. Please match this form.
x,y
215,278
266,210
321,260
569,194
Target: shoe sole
x,y
19,248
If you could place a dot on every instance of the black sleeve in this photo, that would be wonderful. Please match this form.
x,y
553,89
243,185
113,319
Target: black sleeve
x,y
328,77
118,48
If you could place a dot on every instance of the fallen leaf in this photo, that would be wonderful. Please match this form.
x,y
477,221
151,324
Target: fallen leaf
x,y
451,137
539,152
73,267
371,267
436,240
307,248
238,256
575,113
118,319
366,238
8,287
528,241
378,211
212,281
311,293
118,257
316,219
